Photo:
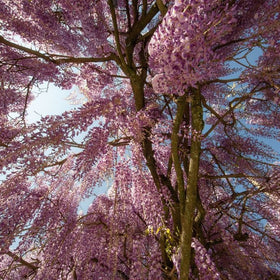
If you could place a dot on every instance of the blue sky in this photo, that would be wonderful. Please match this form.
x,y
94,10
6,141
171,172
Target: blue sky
x,y
50,100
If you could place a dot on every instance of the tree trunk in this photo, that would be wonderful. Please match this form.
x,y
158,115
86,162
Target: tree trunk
x,y
187,214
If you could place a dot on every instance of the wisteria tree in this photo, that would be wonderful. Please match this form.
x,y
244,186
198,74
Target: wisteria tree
x,y
181,117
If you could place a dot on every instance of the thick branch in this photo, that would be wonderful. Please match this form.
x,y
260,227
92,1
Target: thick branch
x,y
26,50
142,23
161,7
181,104
22,261
191,197
136,32
116,32
62,59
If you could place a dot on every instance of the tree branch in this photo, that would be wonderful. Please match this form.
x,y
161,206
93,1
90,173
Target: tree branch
x,y
187,217
181,104
22,261
62,59
161,7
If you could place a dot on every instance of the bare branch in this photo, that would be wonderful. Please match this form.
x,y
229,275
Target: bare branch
x,y
22,261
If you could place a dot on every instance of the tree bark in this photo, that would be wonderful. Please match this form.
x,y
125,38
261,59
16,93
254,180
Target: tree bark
x,y
187,214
